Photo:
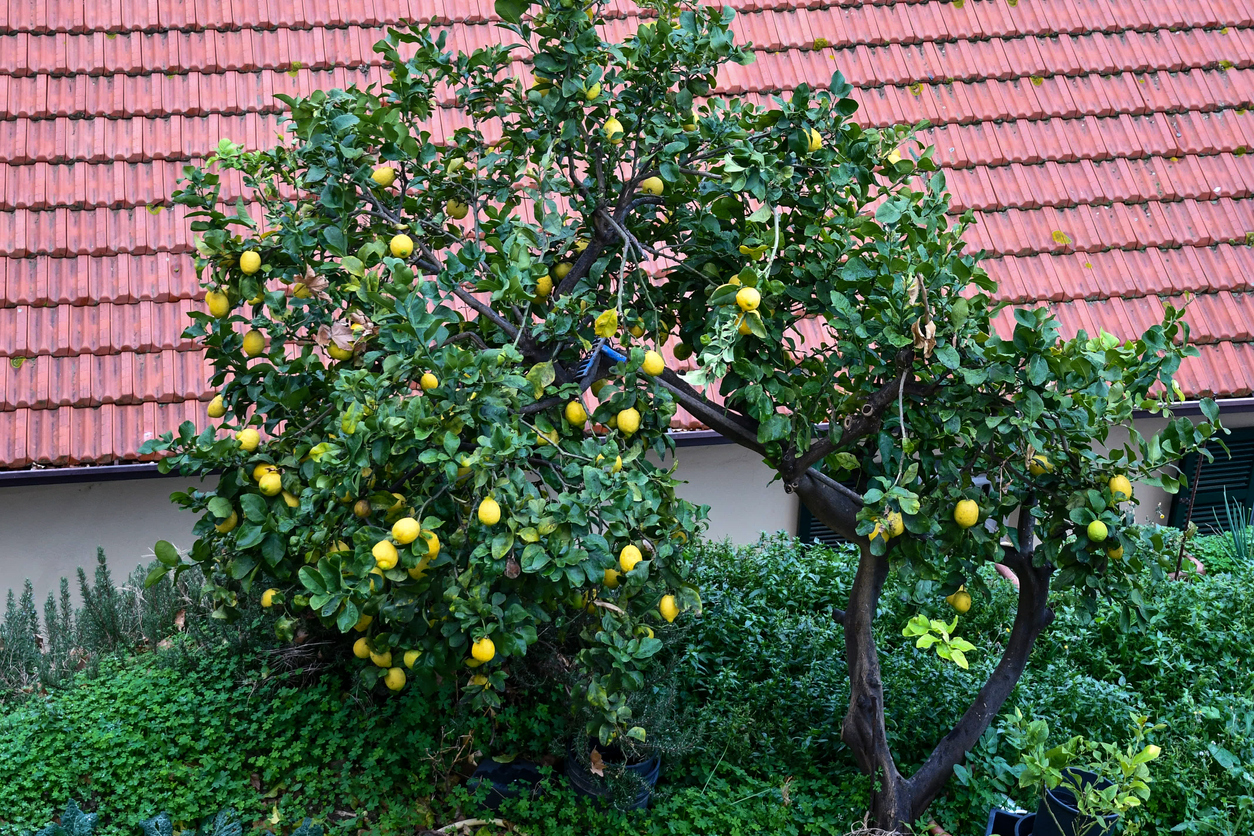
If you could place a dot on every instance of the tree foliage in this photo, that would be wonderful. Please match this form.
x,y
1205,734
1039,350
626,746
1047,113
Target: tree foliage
x,y
425,334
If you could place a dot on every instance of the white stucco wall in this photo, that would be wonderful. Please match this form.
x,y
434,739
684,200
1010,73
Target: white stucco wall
x,y
48,531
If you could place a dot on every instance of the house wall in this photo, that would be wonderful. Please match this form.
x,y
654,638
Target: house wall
x,y
47,531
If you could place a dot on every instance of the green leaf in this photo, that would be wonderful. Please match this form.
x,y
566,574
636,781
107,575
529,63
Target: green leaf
x,y
249,536
335,240
166,553
311,580
948,356
775,427
890,211
155,575
254,506
220,507
511,11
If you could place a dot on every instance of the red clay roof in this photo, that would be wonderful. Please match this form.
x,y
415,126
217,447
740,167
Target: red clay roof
x,y
1100,145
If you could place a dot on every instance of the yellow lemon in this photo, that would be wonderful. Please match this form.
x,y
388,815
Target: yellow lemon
x,y
644,631
337,353
667,608
361,508
385,555
479,680
1097,531
262,469
291,500
401,245
581,244
592,92
894,157
406,530
653,364
544,286
428,381
483,650
248,439
361,648
548,438
561,270
1120,488
611,578
218,302
576,414
384,176
652,185
748,298
896,525
1040,465
1116,553
267,598
216,408
489,511
394,679
340,546
966,513
271,484
629,557
961,601
254,343
383,660
420,571
613,130
815,140
597,386
376,579
363,623
250,262
228,524
456,209
433,545
628,421
410,657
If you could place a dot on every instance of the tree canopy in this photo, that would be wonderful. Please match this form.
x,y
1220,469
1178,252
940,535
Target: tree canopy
x,y
465,331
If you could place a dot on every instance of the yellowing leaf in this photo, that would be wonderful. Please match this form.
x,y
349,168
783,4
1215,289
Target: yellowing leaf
x,y
607,324
596,765
1061,238
753,252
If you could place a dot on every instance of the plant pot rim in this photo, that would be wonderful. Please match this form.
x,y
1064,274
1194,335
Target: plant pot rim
x,y
1060,794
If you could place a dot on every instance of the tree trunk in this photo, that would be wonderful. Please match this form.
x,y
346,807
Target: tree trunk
x,y
863,730
896,801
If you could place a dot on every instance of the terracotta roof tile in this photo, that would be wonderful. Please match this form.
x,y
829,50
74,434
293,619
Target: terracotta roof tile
x,y
1121,127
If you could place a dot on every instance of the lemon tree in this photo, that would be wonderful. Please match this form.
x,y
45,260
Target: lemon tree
x,y
449,353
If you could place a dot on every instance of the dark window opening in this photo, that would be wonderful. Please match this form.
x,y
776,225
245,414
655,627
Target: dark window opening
x,y
1234,475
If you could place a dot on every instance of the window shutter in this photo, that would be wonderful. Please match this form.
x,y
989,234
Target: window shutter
x,y
810,529
1235,474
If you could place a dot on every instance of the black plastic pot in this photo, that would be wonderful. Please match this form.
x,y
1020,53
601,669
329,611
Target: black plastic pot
x,y
585,783
1002,822
505,780
1026,825
1056,814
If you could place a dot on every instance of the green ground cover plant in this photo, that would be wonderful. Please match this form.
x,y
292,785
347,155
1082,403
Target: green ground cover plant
x,y
204,722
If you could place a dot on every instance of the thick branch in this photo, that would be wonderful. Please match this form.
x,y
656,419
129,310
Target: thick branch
x,y
864,729
1032,617
867,419
486,310
731,425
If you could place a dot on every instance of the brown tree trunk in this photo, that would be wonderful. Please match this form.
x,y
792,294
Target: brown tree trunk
x,y
864,731
896,801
